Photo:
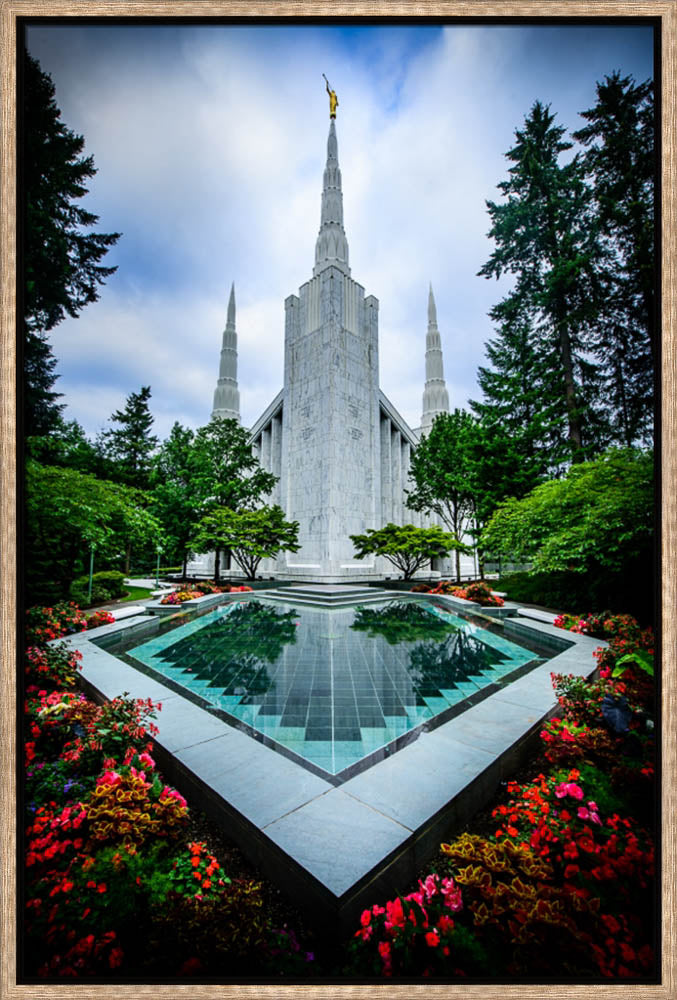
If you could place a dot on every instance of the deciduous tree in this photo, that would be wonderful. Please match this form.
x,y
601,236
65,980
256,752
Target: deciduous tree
x,y
598,517
442,476
66,513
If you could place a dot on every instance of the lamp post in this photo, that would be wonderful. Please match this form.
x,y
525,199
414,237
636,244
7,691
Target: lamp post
x,y
157,567
92,546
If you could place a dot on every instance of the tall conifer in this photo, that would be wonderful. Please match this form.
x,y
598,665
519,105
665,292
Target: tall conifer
x,y
545,237
619,160
61,269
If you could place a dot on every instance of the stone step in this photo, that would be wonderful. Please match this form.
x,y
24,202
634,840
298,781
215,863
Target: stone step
x,y
347,597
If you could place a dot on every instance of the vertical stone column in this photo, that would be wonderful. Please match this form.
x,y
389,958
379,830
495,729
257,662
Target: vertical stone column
x,y
265,448
407,515
276,454
396,461
386,473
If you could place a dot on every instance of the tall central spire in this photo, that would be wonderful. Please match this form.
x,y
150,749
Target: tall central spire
x,y
331,248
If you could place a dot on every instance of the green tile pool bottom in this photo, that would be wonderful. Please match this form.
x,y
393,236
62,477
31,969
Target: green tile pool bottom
x,y
335,689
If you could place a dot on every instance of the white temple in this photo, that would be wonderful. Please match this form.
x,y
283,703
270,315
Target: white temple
x,y
338,445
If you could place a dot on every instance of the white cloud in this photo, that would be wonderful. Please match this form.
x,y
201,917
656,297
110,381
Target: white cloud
x,y
210,147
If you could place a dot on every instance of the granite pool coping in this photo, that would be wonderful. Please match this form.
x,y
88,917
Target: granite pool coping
x,y
335,849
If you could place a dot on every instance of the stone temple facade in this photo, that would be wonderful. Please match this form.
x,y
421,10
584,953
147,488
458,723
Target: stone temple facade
x,y
338,445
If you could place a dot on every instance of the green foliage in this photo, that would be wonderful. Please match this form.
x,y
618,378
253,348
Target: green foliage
x,y
106,585
67,445
620,162
639,658
174,497
224,469
41,411
66,512
406,546
545,236
251,535
126,450
442,473
54,781
401,621
598,515
52,666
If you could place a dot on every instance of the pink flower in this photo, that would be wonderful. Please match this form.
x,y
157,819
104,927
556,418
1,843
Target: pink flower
x,y
452,894
583,813
109,778
146,759
428,886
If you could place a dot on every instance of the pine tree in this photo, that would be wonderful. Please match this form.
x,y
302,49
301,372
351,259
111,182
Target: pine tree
x,y
61,270
41,411
545,237
127,450
619,160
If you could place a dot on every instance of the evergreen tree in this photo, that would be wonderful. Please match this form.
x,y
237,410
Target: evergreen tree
x,y
545,237
516,392
619,159
65,445
127,450
61,270
41,411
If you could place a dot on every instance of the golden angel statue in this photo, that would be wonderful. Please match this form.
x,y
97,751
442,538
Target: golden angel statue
x,y
333,99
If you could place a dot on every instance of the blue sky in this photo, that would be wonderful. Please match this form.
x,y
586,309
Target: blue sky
x,y
210,141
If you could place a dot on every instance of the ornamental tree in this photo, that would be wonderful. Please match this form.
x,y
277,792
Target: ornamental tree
x,y
406,546
250,535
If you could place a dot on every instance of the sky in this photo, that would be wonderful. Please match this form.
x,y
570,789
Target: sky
x,y
210,143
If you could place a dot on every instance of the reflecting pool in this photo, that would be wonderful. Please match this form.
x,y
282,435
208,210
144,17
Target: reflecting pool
x,y
336,689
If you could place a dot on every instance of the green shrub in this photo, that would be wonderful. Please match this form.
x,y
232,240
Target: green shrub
x,y
630,591
106,586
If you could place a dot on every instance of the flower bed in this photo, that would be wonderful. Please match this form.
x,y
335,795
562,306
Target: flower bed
x,y
113,883
202,590
479,592
560,885
564,886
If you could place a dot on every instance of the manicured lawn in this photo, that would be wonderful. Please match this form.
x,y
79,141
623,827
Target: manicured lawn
x,y
136,594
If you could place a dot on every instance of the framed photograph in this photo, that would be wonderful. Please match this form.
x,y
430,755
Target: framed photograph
x,y
337,520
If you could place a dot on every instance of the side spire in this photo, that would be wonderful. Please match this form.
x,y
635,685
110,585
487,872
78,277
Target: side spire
x,y
331,248
435,395
226,394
